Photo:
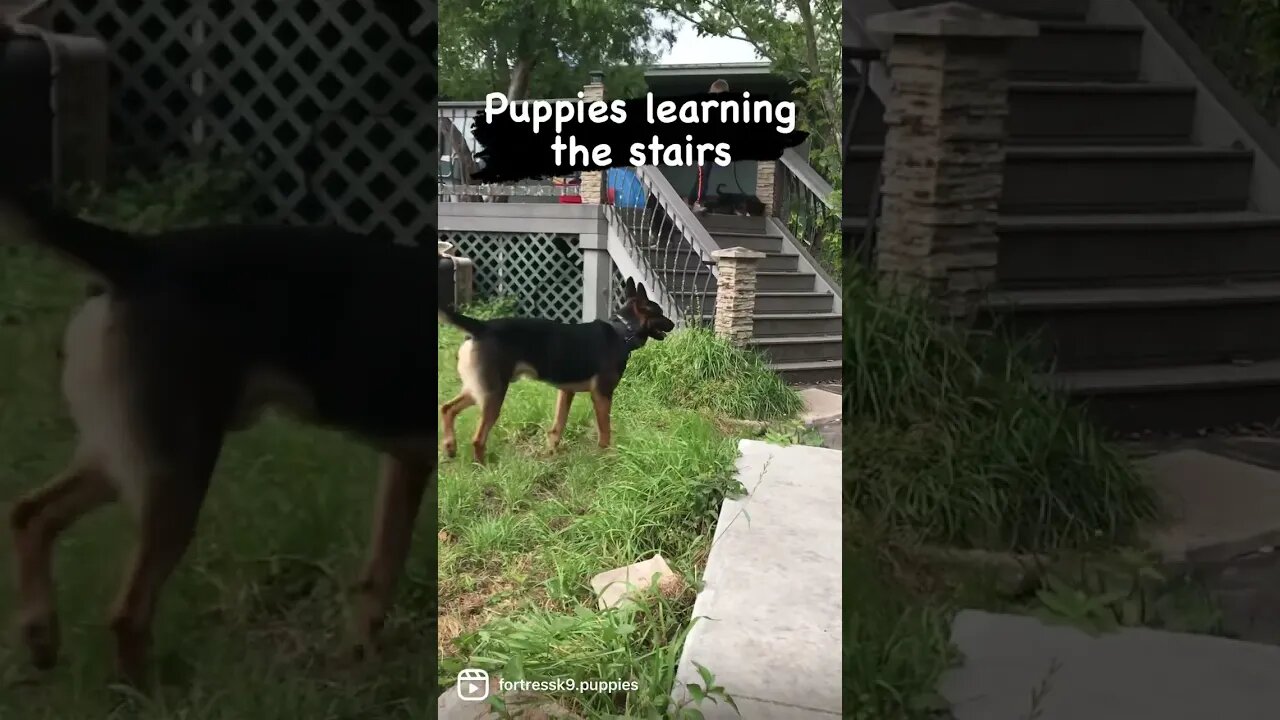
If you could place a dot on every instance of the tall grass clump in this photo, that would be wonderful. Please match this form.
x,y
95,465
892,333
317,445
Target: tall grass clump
x,y
695,369
952,440
897,645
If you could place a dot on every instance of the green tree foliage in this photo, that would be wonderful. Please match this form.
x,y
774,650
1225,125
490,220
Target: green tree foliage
x,y
801,38
546,48
1242,38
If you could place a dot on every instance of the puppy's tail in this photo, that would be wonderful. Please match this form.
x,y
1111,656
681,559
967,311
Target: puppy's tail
x,y
116,257
471,326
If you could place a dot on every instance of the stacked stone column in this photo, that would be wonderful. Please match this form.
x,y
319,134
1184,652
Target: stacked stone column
x,y
736,293
944,157
765,173
593,183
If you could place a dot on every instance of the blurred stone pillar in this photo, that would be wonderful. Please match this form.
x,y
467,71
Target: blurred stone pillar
x,y
944,154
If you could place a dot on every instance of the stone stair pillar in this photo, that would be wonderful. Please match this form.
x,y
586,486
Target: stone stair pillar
x,y
736,293
766,171
944,155
593,182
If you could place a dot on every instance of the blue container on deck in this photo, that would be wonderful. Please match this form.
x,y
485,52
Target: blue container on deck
x,y
626,187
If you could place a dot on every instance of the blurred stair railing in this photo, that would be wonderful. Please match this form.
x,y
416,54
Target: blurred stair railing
x,y
862,65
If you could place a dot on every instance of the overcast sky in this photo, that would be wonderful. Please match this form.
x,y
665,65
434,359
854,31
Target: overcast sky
x,y
691,49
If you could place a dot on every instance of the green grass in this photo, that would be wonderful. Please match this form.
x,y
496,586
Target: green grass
x,y
521,537
896,643
252,625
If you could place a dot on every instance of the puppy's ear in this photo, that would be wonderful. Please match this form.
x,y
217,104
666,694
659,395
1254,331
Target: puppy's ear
x,y
640,293
630,288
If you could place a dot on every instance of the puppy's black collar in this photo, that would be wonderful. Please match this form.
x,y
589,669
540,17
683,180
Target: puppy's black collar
x,y
629,330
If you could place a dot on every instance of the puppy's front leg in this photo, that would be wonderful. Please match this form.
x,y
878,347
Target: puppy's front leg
x,y
603,403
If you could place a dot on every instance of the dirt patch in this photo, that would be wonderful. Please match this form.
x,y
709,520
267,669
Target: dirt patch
x,y
487,596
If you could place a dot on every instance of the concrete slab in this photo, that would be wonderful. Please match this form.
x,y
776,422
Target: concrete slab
x,y
1247,592
1261,451
768,617
823,411
821,404
1134,673
832,432
1219,508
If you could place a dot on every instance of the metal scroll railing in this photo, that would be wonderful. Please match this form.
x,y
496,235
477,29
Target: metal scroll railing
x,y
664,237
804,205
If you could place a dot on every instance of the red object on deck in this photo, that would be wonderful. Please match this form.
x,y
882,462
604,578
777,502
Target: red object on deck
x,y
564,184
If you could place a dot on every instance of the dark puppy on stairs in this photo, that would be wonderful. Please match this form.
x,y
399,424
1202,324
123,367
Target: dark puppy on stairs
x,y
728,203
573,357
196,333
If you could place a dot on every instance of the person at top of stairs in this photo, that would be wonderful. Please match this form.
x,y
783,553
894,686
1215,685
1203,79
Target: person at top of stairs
x,y
703,180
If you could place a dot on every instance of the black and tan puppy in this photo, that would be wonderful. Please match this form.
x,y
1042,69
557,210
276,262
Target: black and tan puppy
x,y
198,331
730,203
573,357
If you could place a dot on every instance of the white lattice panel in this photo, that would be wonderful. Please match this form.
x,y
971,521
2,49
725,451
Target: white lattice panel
x,y
331,101
542,272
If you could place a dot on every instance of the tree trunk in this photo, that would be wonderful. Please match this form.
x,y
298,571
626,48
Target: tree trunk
x,y
827,94
521,75
454,142
518,89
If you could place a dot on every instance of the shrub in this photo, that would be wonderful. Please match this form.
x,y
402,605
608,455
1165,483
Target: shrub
x,y
951,438
178,195
693,368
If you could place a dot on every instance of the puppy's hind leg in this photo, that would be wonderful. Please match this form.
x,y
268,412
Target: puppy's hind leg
x,y
483,383
448,414
405,476
173,491
564,400
36,521
180,402
471,374
490,408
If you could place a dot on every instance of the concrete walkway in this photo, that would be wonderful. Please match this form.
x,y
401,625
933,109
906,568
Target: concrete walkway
x,y
769,615
1222,498
1011,660
823,411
